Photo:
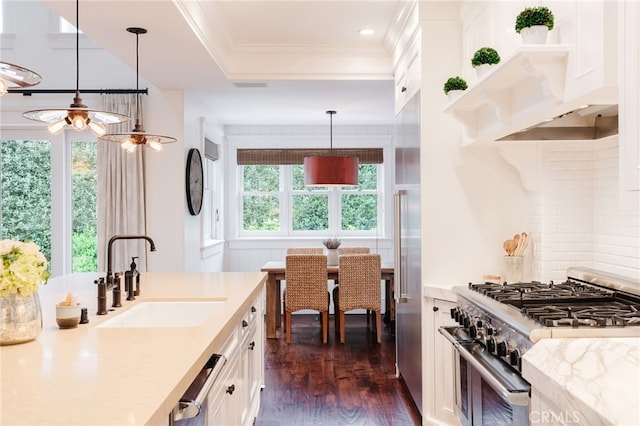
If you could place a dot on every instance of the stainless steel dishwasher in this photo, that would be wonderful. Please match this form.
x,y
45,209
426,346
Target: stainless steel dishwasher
x,y
191,410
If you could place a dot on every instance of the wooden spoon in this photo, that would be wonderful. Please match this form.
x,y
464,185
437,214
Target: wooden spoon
x,y
510,246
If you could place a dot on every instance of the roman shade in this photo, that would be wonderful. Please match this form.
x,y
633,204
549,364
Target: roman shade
x,y
296,156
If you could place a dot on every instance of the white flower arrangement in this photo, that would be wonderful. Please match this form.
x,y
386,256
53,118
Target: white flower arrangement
x,y
23,268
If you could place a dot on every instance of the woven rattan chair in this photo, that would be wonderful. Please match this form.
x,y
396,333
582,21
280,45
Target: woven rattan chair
x,y
306,277
304,250
359,288
341,251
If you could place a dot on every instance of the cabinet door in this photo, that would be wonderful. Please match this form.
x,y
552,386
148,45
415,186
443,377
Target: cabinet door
x,y
443,363
629,140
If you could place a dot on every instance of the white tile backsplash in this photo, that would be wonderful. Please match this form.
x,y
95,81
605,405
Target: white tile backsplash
x,y
576,216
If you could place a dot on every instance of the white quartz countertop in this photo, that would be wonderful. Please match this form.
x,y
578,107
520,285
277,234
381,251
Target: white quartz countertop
x,y
117,376
594,381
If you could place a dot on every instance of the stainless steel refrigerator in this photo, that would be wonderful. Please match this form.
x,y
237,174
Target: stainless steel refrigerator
x,y
407,248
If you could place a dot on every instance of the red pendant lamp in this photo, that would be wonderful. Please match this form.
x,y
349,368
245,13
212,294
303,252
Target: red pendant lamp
x,y
330,170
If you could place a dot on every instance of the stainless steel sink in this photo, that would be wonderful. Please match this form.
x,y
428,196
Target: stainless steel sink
x,y
156,314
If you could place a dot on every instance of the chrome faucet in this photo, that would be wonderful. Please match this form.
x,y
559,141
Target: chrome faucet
x,y
110,244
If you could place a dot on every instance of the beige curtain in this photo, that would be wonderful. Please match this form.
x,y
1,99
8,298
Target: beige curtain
x,y
121,192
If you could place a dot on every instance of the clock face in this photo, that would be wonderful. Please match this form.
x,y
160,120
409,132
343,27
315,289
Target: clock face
x,y
195,184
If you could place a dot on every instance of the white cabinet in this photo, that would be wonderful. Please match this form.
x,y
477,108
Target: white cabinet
x,y
407,67
438,376
629,148
234,399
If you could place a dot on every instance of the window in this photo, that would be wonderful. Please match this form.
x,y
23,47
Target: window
x,y
37,207
274,201
26,192
67,27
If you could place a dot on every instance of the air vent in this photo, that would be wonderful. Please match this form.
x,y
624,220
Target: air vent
x,y
247,84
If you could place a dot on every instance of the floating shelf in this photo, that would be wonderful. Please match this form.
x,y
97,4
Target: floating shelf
x,y
520,91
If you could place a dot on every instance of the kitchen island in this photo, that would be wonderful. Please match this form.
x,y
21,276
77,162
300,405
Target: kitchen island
x,y
119,376
584,381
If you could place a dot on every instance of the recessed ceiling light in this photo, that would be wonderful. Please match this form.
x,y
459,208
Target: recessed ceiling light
x,y
366,32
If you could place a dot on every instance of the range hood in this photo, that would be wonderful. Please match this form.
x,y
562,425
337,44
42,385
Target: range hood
x,y
589,122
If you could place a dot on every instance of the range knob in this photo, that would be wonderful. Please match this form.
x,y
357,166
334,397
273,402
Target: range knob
x,y
491,345
466,321
479,323
489,330
501,348
453,312
473,331
514,358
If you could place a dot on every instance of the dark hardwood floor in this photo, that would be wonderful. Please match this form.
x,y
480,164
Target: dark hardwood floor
x,y
308,383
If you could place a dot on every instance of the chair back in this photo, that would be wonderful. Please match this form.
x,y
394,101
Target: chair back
x,y
304,250
306,276
359,276
353,250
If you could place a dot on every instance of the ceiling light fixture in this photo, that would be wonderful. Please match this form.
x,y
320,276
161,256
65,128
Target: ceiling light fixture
x,y
138,136
16,76
78,115
366,32
330,170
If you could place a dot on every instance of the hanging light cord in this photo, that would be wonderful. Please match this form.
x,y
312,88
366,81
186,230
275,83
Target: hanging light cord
x,y
78,48
331,130
137,79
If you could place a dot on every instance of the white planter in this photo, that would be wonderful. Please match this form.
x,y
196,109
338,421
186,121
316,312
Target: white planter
x,y
332,257
535,35
454,94
482,69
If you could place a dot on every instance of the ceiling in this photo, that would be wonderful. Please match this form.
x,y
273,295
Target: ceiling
x,y
257,62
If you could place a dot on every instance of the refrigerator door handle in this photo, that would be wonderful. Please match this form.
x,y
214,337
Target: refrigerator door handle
x,y
397,252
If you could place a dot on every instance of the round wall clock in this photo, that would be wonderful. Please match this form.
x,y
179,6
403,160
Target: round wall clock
x,y
195,184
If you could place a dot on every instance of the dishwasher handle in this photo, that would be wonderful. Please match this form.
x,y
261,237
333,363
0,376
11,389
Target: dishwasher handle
x,y
191,403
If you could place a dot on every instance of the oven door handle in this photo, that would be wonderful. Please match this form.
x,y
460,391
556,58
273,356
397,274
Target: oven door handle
x,y
514,398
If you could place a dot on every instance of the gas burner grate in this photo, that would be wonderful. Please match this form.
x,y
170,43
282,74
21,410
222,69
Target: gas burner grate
x,y
611,314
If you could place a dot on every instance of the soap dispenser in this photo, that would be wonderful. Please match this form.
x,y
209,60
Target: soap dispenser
x,y
133,268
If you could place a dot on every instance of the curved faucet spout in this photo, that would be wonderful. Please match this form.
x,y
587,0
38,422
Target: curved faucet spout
x,y
125,237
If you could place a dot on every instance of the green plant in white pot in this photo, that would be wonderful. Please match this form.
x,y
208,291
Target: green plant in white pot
x,y
484,58
534,23
454,86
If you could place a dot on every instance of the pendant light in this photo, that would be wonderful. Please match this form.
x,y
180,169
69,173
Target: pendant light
x,y
16,76
78,116
138,136
330,170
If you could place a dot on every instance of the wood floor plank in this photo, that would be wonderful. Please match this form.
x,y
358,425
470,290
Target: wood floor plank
x,y
308,383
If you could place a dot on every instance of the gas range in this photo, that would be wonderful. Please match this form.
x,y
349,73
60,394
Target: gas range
x,y
507,319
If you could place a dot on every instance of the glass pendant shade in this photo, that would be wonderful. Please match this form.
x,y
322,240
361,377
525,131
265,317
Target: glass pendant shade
x,y
129,141
78,116
16,76
330,170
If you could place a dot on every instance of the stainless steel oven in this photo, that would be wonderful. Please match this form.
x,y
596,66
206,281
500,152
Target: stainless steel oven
x,y
487,392
499,323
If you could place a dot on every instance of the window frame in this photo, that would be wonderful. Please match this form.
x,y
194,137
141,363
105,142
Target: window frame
x,y
286,193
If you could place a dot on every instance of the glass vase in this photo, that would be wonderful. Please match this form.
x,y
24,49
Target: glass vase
x,y
20,319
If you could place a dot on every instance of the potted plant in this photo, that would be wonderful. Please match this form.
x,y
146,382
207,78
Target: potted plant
x,y
22,270
332,245
454,86
534,23
483,59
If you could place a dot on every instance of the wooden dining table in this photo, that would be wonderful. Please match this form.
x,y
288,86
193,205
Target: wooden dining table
x,y
276,274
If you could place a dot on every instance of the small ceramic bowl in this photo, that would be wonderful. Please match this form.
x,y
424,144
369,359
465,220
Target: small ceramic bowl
x,y
68,316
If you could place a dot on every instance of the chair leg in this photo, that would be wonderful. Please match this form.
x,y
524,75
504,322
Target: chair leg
x,y
287,322
341,326
325,325
336,304
379,326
